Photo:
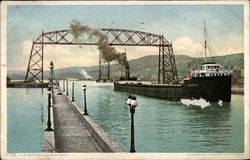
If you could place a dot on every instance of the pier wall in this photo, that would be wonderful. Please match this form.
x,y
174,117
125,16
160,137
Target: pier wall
x,y
48,142
103,139
26,85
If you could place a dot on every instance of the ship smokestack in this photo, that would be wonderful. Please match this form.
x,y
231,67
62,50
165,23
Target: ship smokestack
x,y
127,73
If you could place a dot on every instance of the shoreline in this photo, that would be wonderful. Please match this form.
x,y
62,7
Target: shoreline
x,y
237,90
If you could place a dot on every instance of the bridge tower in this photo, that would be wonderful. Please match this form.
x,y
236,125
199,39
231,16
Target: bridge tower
x,y
35,64
167,72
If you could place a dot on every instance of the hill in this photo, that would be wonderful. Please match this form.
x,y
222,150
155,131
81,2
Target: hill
x,y
144,67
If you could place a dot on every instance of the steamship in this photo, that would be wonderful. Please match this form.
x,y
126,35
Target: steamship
x,y
211,83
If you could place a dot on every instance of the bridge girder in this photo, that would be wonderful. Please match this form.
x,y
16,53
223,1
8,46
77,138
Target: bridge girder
x,y
167,72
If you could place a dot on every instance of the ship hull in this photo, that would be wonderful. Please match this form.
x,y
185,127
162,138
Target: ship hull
x,y
212,89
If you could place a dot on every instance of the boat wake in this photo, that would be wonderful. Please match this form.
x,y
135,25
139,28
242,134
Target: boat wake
x,y
220,103
196,102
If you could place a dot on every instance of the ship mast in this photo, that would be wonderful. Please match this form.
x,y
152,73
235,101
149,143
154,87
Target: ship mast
x,y
205,43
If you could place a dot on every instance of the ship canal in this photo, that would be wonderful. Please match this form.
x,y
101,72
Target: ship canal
x,y
160,125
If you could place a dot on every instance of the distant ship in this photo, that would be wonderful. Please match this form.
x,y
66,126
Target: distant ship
x,y
211,83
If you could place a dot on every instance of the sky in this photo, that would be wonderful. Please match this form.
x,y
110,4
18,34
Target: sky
x,y
180,24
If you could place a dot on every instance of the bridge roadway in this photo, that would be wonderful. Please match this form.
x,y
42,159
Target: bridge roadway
x,y
70,134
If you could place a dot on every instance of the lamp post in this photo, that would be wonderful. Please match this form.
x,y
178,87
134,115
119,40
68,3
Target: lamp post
x,y
49,88
132,102
73,97
49,105
51,72
85,104
67,88
129,100
51,75
63,85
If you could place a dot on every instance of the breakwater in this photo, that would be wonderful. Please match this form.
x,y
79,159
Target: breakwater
x,y
26,85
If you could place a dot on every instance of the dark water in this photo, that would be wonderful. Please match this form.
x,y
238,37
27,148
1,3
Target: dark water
x,y
160,125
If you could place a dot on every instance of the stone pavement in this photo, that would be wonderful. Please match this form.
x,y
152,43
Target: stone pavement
x,y
70,134
48,143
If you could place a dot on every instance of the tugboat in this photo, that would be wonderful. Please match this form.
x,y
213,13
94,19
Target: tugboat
x,y
211,83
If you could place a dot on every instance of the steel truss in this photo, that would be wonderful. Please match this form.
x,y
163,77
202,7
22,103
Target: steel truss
x,y
167,73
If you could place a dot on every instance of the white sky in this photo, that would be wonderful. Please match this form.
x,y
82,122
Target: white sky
x,y
180,24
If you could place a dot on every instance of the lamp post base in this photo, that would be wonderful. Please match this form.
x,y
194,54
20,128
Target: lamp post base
x,y
48,129
85,113
49,126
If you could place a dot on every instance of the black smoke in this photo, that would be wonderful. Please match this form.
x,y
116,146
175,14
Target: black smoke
x,y
108,52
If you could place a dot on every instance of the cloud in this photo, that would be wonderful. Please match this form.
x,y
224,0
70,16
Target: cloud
x,y
58,51
26,47
228,44
65,56
185,45
231,50
231,43
147,49
139,51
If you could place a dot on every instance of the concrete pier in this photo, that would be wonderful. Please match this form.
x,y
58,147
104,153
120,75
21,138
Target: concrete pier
x,y
75,132
26,85
48,143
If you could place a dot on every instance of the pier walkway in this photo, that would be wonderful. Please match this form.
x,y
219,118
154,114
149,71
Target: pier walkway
x,y
70,134
75,132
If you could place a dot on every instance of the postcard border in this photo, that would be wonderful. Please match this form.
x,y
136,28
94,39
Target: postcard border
x,y
138,156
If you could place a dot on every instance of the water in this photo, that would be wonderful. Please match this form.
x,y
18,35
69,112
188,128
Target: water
x,y
26,111
160,125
